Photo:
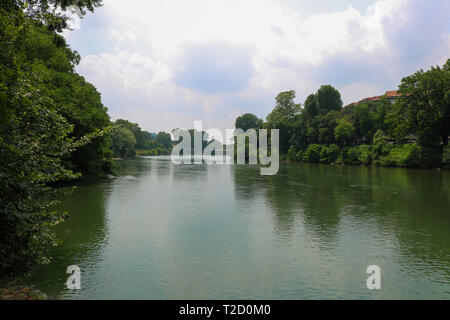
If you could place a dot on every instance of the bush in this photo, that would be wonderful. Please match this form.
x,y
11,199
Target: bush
x,y
407,155
313,153
352,156
324,155
365,154
320,153
300,155
357,155
333,153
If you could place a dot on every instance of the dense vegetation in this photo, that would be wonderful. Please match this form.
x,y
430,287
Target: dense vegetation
x,y
411,132
129,139
53,127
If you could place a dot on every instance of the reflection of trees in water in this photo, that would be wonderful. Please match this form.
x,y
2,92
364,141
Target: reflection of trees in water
x,y
411,205
294,192
83,236
127,167
416,206
322,203
248,181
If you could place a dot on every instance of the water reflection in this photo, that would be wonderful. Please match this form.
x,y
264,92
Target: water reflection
x,y
165,231
84,236
405,212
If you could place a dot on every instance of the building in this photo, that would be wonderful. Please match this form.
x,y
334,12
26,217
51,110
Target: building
x,y
391,96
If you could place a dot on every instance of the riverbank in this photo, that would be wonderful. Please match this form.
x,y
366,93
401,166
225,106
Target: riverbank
x,y
22,293
378,155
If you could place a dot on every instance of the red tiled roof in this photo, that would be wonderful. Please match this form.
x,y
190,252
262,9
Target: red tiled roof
x,y
388,94
393,93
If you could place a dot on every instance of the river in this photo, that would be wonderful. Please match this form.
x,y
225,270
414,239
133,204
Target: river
x,y
165,231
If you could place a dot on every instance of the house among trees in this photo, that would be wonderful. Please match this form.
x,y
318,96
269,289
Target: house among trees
x,y
391,96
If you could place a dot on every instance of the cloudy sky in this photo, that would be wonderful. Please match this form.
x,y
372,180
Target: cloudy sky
x,y
166,63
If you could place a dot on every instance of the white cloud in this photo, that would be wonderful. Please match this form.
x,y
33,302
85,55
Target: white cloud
x,y
266,46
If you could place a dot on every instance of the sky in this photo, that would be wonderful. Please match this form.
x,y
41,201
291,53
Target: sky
x,y
167,63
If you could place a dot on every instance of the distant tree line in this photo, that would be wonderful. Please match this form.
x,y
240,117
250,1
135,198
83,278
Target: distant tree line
x,y
411,132
128,139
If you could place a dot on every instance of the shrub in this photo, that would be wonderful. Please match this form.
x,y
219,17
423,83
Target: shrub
x,y
365,154
313,153
380,142
324,155
407,155
300,155
333,153
352,156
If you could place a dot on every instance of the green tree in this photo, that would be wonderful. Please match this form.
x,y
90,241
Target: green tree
x,y
35,137
424,107
283,117
49,56
326,126
285,108
311,106
344,132
425,102
364,120
248,121
328,99
164,139
52,13
123,142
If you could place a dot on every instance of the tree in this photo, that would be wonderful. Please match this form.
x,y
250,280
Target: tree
x,y
144,139
283,117
344,132
311,106
164,139
48,55
248,121
425,102
34,140
328,98
285,108
123,142
364,120
425,105
51,13
326,126
35,137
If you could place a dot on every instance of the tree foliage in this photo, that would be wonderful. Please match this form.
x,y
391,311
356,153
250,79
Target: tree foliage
x,y
425,104
248,121
123,142
367,132
37,134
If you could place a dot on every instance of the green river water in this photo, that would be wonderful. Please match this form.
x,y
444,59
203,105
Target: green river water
x,y
165,231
